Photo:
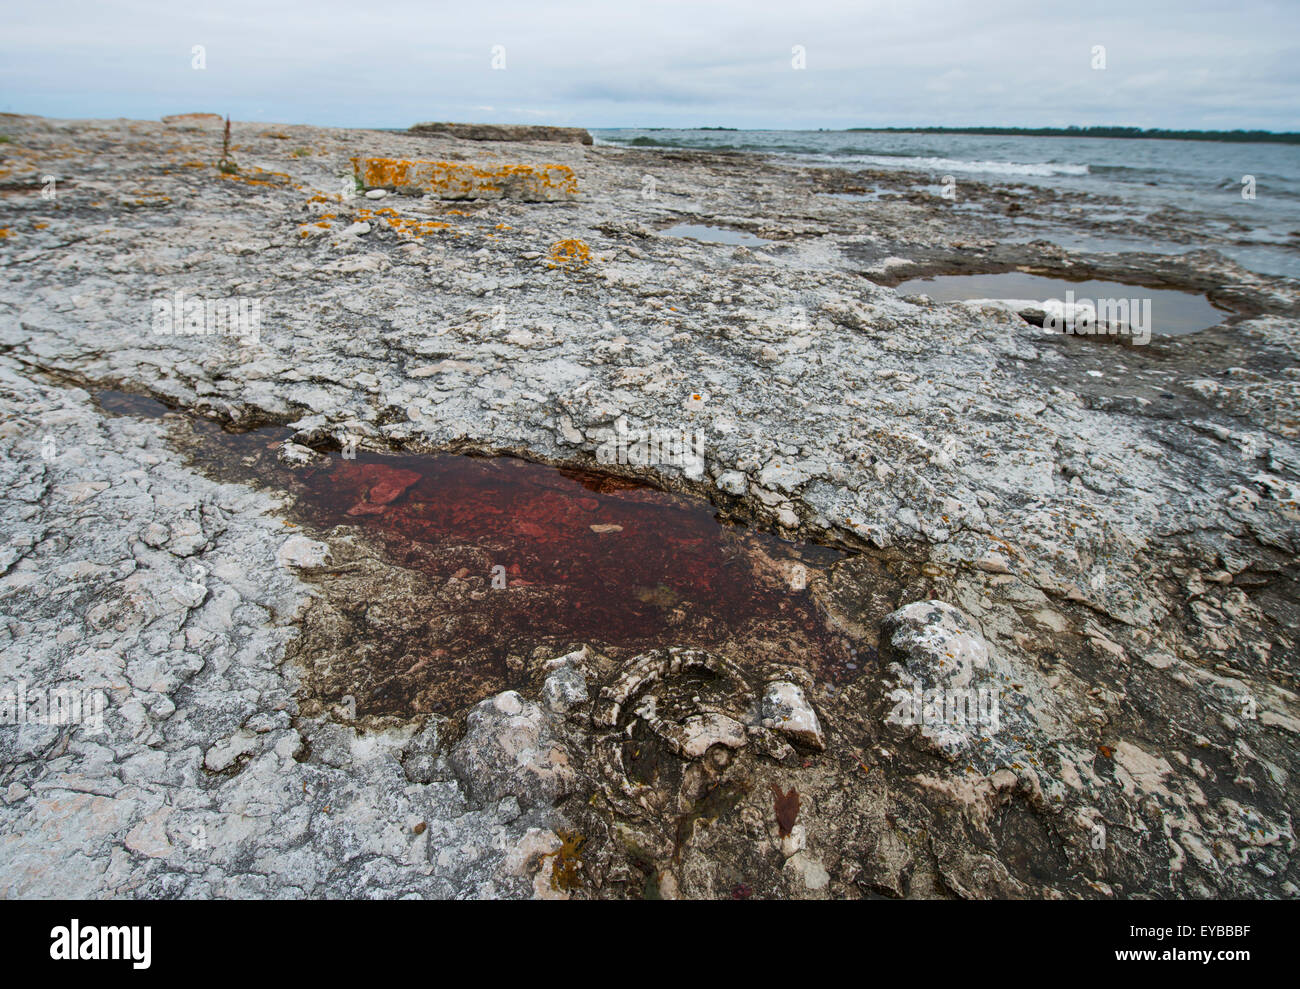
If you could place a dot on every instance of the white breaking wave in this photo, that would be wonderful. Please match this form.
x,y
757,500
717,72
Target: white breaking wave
x,y
944,166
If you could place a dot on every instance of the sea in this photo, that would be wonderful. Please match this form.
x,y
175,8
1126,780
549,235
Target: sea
x,y
1260,230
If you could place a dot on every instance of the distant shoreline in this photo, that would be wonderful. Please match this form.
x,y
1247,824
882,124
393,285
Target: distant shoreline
x,y
1150,133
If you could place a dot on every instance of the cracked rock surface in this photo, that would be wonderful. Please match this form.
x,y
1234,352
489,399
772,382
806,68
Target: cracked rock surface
x,y
1101,537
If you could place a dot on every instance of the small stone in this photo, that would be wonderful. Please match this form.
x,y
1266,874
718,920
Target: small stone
x,y
703,731
569,432
732,482
420,756
224,754
564,689
376,193
807,872
509,750
297,455
788,711
796,841
509,703
155,535
444,367
993,563
303,553
940,642
189,593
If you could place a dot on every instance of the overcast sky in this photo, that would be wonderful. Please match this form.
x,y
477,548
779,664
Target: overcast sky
x,y
1169,63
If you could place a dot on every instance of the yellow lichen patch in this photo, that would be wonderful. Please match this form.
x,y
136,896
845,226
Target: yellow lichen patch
x,y
277,175
272,179
314,229
235,177
566,871
5,232
405,226
502,226
39,226
572,252
457,180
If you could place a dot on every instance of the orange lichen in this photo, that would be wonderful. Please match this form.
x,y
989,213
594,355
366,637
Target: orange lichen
x,y
272,179
278,175
566,871
571,251
456,180
235,177
404,226
5,232
39,226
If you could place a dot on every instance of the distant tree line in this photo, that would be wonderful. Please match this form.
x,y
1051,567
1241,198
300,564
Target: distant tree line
x,y
1158,133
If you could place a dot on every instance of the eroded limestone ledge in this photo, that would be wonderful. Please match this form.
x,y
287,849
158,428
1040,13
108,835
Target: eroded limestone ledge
x,y
455,180
504,132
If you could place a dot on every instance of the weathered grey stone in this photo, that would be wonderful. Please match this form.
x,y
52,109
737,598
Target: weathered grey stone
x,y
420,758
564,689
504,132
303,553
509,749
939,643
786,709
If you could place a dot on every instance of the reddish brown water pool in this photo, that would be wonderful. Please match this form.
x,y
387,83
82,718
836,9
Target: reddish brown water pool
x,y
451,571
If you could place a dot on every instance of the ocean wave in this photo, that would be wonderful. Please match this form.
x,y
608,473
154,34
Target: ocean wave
x,y
947,165
847,156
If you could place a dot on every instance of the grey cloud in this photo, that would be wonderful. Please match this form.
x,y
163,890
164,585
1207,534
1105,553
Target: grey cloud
x,y
1170,62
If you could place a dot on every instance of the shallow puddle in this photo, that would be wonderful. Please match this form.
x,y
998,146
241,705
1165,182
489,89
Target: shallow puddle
x,y
465,565
713,235
854,197
120,403
1172,312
